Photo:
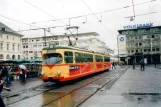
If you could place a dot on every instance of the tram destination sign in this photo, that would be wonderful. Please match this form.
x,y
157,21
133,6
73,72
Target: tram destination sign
x,y
135,26
51,51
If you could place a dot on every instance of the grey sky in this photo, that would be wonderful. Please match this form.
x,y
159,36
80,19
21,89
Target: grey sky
x,y
22,11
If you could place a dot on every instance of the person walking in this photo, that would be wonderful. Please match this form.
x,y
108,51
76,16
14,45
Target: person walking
x,y
142,65
133,64
7,74
113,65
1,88
155,63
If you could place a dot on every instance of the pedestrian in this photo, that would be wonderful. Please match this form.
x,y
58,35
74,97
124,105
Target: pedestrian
x,y
22,74
155,63
7,74
142,65
113,65
1,88
133,64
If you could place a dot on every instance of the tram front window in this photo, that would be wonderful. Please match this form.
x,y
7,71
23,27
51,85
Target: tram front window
x,y
54,58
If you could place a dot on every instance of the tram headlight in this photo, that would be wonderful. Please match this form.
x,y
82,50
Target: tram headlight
x,y
42,73
59,73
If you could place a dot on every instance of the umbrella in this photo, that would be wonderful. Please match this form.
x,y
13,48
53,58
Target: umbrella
x,y
22,66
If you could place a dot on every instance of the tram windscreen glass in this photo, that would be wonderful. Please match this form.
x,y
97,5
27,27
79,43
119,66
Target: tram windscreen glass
x,y
54,58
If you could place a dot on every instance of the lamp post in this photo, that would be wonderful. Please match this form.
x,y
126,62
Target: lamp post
x,y
118,49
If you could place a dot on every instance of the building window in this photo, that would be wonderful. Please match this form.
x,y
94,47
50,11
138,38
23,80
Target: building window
x,y
136,51
1,56
26,46
139,37
132,51
153,36
128,51
1,46
23,46
148,50
149,36
13,47
140,44
157,49
136,37
35,45
145,50
18,47
7,46
153,49
136,44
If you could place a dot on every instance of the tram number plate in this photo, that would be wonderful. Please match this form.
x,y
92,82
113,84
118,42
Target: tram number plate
x,y
51,51
73,67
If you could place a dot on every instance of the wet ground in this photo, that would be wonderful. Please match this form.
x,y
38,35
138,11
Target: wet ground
x,y
65,95
19,86
134,89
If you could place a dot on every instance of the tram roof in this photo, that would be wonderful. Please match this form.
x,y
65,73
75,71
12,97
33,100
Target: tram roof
x,y
53,47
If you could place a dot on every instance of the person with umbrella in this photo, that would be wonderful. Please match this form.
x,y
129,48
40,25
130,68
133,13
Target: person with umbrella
x,y
22,72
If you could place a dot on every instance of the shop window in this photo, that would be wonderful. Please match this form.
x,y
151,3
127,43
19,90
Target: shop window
x,y
145,50
157,49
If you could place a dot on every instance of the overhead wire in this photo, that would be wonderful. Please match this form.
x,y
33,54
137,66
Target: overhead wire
x,y
79,16
24,24
95,16
44,11
115,9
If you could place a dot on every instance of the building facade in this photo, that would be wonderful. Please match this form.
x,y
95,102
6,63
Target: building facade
x,y
31,47
10,43
143,43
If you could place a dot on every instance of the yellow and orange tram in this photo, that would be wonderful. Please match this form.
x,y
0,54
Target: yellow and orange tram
x,y
64,63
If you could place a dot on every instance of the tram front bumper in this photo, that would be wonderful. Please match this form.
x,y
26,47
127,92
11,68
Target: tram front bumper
x,y
52,79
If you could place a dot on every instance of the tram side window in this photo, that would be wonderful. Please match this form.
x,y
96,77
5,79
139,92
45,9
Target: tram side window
x,y
77,57
68,57
89,58
107,59
83,57
99,58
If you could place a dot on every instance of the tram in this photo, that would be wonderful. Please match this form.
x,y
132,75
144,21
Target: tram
x,y
64,63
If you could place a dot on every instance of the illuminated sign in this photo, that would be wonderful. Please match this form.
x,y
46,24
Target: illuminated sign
x,y
138,26
121,39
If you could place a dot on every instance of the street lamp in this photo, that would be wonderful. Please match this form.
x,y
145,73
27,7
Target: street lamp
x,y
118,49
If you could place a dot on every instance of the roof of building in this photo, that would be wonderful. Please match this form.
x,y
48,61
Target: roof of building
x,y
139,28
4,28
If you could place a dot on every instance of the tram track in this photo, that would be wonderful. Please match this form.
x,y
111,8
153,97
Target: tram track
x,y
92,79
112,81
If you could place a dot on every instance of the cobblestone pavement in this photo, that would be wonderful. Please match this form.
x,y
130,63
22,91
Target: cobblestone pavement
x,y
18,85
135,88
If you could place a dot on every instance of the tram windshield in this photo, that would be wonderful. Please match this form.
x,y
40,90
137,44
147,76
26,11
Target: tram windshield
x,y
53,58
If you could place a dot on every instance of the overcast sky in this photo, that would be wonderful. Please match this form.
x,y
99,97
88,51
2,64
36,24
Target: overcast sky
x,y
111,21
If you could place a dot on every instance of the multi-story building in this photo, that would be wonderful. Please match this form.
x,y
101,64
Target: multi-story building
x,y
142,43
32,47
10,43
